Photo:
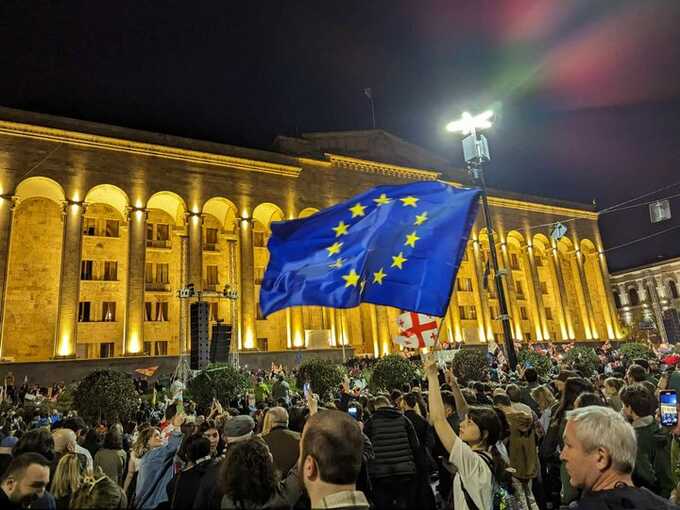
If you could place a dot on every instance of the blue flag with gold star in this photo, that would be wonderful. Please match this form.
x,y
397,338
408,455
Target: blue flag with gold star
x,y
397,246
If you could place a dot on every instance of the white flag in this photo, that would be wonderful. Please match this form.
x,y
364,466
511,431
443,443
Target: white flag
x,y
416,330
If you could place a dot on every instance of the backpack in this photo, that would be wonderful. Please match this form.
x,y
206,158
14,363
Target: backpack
x,y
503,498
522,451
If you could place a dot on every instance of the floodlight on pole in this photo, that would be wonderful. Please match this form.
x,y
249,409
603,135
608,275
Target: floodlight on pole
x,y
476,153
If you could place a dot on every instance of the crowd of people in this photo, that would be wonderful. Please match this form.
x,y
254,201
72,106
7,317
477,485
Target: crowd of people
x,y
508,441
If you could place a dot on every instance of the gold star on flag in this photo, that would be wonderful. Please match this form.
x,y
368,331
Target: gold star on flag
x,y
382,200
341,229
399,260
357,210
379,276
352,278
409,201
411,239
337,264
421,218
334,248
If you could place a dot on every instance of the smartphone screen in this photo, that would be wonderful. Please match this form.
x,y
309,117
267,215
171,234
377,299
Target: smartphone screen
x,y
305,389
668,407
352,411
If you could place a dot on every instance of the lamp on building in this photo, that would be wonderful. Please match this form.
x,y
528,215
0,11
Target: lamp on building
x,y
476,153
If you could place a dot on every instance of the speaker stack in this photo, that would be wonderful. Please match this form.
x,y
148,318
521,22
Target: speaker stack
x,y
220,342
200,343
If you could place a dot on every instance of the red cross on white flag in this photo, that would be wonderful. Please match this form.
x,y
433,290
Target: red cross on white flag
x,y
416,330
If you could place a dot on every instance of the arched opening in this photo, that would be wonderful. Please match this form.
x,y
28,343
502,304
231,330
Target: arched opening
x,y
306,213
34,271
110,195
573,298
520,281
673,289
596,291
633,297
548,286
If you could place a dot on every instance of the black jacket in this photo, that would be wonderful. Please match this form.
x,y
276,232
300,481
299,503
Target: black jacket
x,y
183,487
624,498
395,444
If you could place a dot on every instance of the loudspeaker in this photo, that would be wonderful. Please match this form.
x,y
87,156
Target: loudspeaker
x,y
220,342
200,348
671,321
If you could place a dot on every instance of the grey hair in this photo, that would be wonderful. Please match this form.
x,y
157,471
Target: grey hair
x,y
278,416
602,427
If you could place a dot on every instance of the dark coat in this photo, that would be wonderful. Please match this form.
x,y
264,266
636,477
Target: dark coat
x,y
395,444
184,486
285,447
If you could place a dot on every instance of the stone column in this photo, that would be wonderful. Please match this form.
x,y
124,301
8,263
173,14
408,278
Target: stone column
x,y
511,292
583,289
656,308
297,327
247,273
184,318
623,294
7,205
566,322
195,233
613,327
374,330
535,295
483,319
69,287
134,308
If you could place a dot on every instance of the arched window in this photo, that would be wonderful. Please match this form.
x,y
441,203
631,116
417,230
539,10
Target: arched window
x,y
673,289
617,299
633,297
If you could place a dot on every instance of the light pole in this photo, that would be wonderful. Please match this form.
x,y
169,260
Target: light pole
x,y
476,153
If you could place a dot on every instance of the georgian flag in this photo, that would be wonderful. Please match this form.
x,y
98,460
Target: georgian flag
x,y
416,330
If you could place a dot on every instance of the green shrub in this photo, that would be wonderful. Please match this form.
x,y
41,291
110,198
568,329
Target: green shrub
x,y
539,361
584,359
323,375
392,371
470,365
106,394
221,381
636,350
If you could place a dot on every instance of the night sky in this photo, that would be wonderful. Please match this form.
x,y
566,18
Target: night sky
x,y
588,92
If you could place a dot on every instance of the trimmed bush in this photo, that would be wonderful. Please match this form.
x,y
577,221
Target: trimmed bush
x,y
636,350
584,359
470,365
392,372
106,394
221,381
324,376
539,361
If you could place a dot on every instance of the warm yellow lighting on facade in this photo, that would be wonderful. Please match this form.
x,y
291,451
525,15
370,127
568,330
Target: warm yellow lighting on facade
x,y
65,346
248,340
134,346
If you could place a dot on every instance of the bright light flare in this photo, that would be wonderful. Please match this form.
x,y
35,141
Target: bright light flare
x,y
468,123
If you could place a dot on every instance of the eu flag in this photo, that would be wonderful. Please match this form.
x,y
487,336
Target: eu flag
x,y
397,246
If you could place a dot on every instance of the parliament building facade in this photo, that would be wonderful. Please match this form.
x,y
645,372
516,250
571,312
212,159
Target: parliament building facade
x,y
101,226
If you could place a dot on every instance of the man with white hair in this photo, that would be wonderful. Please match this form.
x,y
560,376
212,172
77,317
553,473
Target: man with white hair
x,y
284,444
599,455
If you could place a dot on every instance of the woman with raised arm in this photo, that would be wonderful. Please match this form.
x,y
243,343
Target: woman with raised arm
x,y
474,452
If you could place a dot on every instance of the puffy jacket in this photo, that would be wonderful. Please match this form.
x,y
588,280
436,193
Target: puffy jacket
x,y
395,444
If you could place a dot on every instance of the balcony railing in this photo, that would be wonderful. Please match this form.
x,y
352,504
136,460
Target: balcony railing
x,y
157,287
158,243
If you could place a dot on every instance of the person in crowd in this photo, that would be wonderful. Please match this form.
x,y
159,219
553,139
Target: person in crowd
x,y
99,492
652,462
530,377
92,442
480,394
441,456
184,485
599,454
78,426
69,476
283,443
612,387
248,479
547,404
239,428
261,391
474,452
156,467
635,374
211,432
589,398
111,458
6,446
394,470
281,390
25,481
515,394
330,460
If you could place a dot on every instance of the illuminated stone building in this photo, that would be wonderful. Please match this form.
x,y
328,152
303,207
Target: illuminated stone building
x,y
646,295
100,226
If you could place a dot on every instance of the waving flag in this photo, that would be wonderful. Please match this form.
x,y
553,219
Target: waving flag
x,y
416,330
397,246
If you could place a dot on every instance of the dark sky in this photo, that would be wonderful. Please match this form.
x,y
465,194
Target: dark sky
x,y
588,93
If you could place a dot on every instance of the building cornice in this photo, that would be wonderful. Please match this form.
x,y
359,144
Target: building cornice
x,y
656,269
145,149
542,208
375,167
